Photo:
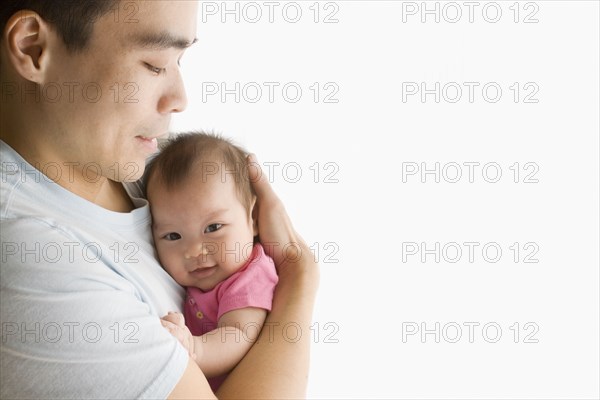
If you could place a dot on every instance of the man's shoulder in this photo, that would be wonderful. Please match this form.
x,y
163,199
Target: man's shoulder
x,y
28,227
24,190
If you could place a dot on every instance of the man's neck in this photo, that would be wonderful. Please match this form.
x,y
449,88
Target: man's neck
x,y
107,194
101,191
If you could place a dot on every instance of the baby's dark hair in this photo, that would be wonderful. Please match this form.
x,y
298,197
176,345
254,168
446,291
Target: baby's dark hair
x,y
183,153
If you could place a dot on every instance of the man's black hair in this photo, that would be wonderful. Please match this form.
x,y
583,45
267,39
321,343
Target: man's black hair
x,y
73,19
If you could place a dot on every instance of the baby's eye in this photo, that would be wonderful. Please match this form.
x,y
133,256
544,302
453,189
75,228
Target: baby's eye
x,y
213,228
172,236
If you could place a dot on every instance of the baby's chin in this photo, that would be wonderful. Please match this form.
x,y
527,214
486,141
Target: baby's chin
x,y
207,287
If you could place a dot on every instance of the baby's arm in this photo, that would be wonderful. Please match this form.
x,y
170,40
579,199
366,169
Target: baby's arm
x,y
219,350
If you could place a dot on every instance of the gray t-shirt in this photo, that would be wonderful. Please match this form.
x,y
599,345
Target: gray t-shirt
x,y
81,293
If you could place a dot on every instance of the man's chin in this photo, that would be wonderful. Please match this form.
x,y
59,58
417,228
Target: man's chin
x,y
128,171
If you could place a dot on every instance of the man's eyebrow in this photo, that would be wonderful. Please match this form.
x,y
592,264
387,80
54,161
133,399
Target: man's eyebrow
x,y
161,41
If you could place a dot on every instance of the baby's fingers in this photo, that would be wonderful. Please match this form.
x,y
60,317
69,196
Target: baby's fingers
x,y
175,318
171,327
175,331
182,335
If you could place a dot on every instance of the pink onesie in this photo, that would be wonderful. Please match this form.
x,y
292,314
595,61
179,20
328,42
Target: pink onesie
x,y
251,286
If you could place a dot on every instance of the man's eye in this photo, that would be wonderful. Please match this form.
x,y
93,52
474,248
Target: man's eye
x,y
172,236
213,228
154,69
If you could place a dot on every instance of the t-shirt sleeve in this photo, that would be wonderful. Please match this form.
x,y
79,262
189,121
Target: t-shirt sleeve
x,y
252,287
72,327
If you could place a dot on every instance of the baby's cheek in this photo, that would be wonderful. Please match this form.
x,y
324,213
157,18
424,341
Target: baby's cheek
x,y
160,253
175,269
165,257
246,248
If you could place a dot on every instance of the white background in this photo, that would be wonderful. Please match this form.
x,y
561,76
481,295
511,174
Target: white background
x,y
361,215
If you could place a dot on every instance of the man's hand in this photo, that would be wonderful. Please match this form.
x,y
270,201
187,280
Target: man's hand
x,y
175,324
281,242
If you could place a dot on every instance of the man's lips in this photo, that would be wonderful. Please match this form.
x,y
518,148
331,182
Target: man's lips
x,y
149,143
144,137
164,135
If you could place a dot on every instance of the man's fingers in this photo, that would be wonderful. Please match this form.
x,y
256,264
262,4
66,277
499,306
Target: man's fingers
x,y
259,181
274,225
254,169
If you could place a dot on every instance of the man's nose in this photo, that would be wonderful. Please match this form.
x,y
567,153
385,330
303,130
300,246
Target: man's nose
x,y
174,99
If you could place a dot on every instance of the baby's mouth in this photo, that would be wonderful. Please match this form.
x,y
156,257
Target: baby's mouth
x,y
203,272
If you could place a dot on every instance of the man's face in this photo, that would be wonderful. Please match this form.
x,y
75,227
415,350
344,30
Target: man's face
x,y
202,231
125,85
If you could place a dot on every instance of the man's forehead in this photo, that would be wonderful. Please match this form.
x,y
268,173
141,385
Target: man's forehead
x,y
154,25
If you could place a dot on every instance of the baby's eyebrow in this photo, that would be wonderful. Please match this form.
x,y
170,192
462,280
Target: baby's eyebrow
x,y
159,226
216,212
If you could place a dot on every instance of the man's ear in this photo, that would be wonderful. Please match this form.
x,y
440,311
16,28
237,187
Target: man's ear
x,y
254,215
25,38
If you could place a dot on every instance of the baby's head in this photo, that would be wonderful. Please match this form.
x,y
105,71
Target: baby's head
x,y
201,201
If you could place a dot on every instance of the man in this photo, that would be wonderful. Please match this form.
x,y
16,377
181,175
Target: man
x,y
87,87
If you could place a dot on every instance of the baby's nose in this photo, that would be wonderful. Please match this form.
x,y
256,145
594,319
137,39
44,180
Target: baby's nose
x,y
196,251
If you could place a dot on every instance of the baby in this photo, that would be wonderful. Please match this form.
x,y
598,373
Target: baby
x,y
201,201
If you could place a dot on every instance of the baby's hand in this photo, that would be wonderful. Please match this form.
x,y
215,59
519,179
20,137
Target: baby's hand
x,y
175,323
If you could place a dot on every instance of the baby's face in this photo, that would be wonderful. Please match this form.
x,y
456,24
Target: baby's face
x,y
202,232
